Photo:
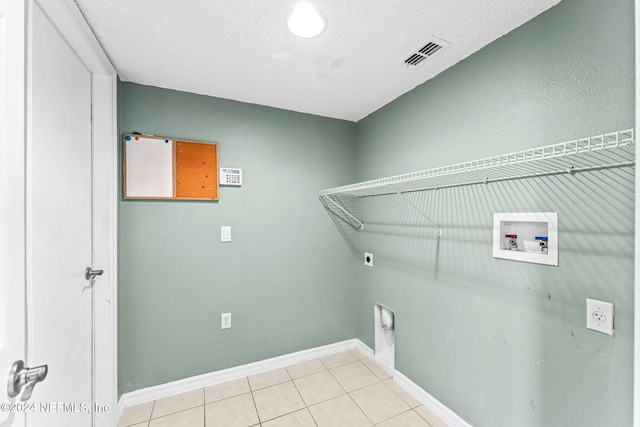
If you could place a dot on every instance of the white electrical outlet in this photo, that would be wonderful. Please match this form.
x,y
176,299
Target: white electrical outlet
x,y
368,259
600,316
225,320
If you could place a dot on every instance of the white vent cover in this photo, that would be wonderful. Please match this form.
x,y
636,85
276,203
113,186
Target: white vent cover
x,y
429,48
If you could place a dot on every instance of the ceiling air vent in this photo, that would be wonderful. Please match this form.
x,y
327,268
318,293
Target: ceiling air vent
x,y
426,51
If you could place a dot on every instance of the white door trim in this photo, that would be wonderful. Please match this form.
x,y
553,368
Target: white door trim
x,y
65,15
636,269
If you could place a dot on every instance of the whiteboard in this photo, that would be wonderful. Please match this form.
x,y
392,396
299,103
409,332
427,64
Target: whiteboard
x,y
149,167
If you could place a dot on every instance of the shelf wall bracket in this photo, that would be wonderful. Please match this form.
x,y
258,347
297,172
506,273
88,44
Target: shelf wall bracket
x,y
414,206
326,198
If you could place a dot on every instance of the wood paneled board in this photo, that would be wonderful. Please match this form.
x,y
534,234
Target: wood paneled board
x,y
166,168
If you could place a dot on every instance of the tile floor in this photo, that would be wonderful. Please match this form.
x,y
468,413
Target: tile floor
x,y
340,390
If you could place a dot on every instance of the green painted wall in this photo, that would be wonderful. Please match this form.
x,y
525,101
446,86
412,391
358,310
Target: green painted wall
x,y
287,276
504,343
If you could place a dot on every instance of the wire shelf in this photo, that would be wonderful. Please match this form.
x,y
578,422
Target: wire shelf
x,y
609,150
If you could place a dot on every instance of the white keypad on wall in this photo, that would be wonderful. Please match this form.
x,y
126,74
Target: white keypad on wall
x,y
231,176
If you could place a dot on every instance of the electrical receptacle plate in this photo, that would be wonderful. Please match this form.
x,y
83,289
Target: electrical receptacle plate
x,y
225,320
368,259
600,316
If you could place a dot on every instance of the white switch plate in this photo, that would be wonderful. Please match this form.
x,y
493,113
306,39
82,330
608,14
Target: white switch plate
x,y
225,320
225,233
600,316
368,259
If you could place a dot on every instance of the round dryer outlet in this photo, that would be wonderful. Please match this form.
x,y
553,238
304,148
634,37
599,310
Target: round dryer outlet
x,y
368,259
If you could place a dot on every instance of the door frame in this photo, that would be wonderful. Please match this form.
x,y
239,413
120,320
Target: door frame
x,y
636,266
69,21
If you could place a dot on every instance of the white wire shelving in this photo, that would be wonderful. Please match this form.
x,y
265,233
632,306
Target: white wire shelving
x,y
616,149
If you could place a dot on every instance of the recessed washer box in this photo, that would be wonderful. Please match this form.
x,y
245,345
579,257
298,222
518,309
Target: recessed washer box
x,y
526,236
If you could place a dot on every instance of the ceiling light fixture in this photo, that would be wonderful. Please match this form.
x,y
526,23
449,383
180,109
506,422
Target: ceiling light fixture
x,y
306,21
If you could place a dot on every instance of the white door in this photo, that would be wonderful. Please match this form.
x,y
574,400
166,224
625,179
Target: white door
x,y
12,221
46,223
59,229
57,117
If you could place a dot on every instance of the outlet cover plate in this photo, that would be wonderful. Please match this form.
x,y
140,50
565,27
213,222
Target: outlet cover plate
x,y
600,316
225,233
368,259
225,320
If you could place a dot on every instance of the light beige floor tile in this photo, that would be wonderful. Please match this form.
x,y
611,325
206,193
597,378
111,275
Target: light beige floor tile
x,y
379,403
190,418
354,376
136,414
277,400
407,419
178,402
318,387
300,418
269,378
305,368
144,424
238,411
358,354
377,370
430,417
337,412
225,390
338,359
402,393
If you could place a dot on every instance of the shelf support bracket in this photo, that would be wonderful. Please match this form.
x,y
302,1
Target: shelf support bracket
x,y
359,226
414,206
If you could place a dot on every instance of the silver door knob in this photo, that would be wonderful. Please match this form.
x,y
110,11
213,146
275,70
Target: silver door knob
x,y
91,274
19,376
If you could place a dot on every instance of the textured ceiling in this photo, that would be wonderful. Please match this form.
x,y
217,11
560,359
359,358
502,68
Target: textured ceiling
x,y
241,50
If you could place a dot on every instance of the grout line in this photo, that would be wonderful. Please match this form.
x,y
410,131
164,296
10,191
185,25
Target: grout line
x,y
312,417
287,413
299,394
180,410
348,393
336,380
227,398
398,394
270,385
321,401
400,413
254,403
174,413
151,413
361,410
204,407
312,373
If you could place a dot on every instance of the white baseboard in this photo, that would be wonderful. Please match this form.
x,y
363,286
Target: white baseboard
x,y
164,390
364,349
434,405
119,409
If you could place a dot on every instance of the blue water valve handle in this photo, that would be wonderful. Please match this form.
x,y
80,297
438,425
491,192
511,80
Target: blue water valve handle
x,y
543,242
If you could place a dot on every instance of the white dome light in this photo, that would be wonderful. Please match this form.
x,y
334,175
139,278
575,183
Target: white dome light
x,y
306,21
